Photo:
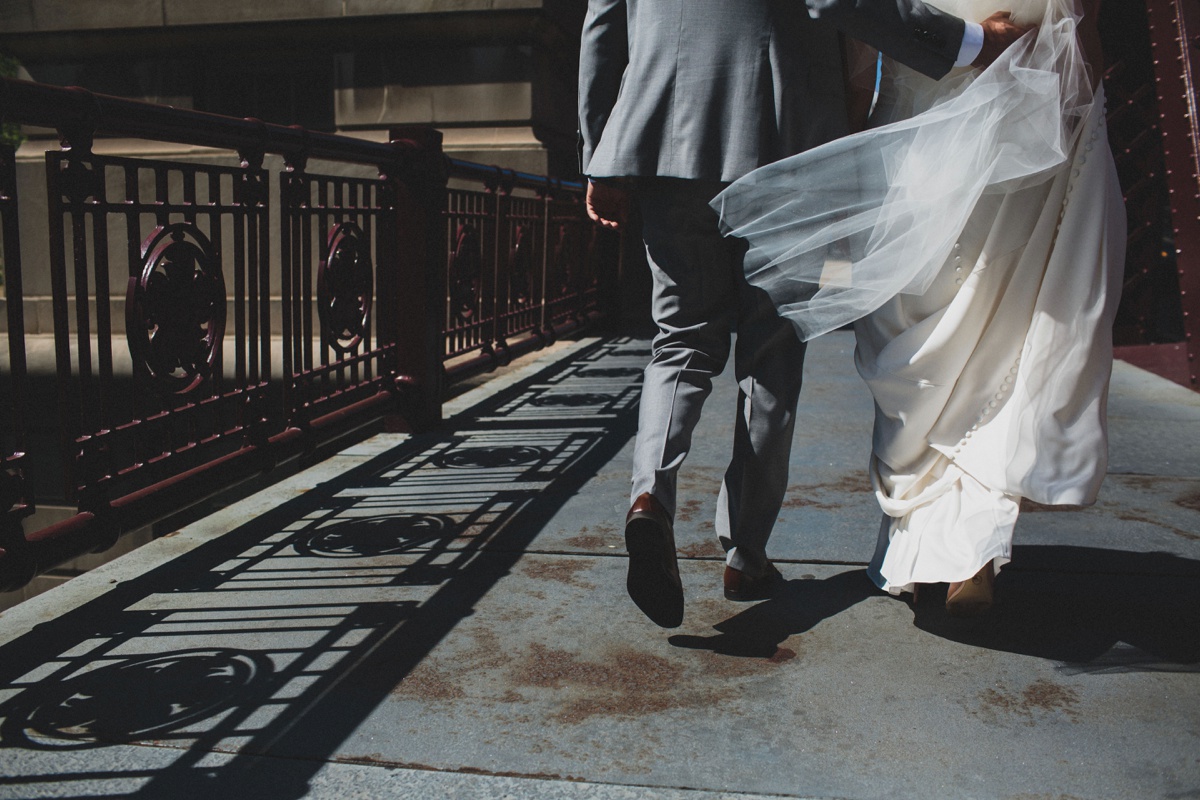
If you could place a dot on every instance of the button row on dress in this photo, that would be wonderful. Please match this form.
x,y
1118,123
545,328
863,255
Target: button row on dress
x,y
1080,160
987,409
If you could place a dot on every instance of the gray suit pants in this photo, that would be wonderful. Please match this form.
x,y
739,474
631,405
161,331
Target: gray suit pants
x,y
700,298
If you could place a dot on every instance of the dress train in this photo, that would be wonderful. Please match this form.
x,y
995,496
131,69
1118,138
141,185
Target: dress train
x,y
978,247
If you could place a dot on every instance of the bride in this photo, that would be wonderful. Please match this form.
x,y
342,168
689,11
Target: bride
x,y
975,237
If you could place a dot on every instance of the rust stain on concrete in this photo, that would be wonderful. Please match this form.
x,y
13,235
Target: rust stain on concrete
x,y
705,549
1189,501
802,501
541,776
562,570
488,652
1140,481
428,682
709,608
818,495
856,482
622,683
377,759
688,509
1040,696
1050,696
625,669
1129,516
586,540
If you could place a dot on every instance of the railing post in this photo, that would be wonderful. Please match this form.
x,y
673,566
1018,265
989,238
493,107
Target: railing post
x,y
500,189
412,282
17,565
545,326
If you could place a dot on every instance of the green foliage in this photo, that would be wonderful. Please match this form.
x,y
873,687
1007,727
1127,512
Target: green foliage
x,y
10,134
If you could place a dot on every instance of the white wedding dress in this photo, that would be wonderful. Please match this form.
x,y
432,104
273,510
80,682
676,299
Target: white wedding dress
x,y
977,243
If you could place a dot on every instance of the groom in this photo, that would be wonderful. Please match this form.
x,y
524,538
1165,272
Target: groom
x,y
676,99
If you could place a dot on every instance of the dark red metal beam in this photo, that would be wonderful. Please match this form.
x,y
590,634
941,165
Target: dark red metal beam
x,y
1175,38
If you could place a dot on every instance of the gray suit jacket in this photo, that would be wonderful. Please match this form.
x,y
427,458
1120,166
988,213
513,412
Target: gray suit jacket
x,y
711,89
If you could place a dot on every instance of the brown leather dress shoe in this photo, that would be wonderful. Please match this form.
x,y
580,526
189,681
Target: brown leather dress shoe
x,y
653,580
743,588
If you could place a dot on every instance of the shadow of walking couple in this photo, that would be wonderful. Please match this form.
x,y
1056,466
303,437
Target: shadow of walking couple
x,y
1089,609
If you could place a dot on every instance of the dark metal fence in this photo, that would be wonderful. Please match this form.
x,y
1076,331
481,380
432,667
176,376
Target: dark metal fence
x,y
209,320
1153,51
522,269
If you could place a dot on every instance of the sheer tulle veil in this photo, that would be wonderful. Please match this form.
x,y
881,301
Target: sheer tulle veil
x,y
835,232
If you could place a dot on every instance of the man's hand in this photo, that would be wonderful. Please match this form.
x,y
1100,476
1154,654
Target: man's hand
x,y
999,31
607,204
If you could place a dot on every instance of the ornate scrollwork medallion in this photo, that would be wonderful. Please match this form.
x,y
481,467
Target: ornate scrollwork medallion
x,y
344,288
175,308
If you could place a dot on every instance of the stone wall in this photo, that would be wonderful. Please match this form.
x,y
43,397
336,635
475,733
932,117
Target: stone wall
x,y
497,76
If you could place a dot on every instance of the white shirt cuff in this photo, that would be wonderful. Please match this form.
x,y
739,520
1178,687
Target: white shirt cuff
x,y
972,43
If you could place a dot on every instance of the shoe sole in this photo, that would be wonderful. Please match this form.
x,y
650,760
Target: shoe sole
x,y
650,584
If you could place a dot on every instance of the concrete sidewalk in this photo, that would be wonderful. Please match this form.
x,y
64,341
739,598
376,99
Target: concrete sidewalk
x,y
444,616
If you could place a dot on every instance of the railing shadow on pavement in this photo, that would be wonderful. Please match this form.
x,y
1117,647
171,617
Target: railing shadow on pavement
x,y
1091,610
280,637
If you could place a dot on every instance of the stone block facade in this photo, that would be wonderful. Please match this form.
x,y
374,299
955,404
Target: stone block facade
x,y
496,76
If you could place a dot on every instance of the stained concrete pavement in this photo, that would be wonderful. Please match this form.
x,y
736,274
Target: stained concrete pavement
x,y
443,616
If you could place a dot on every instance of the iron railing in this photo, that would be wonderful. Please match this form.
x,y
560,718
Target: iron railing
x,y
1153,51
206,318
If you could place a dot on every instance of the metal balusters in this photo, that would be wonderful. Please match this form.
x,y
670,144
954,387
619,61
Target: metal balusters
x,y
184,383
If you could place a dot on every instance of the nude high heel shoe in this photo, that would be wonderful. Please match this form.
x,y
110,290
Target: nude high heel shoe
x,y
974,597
